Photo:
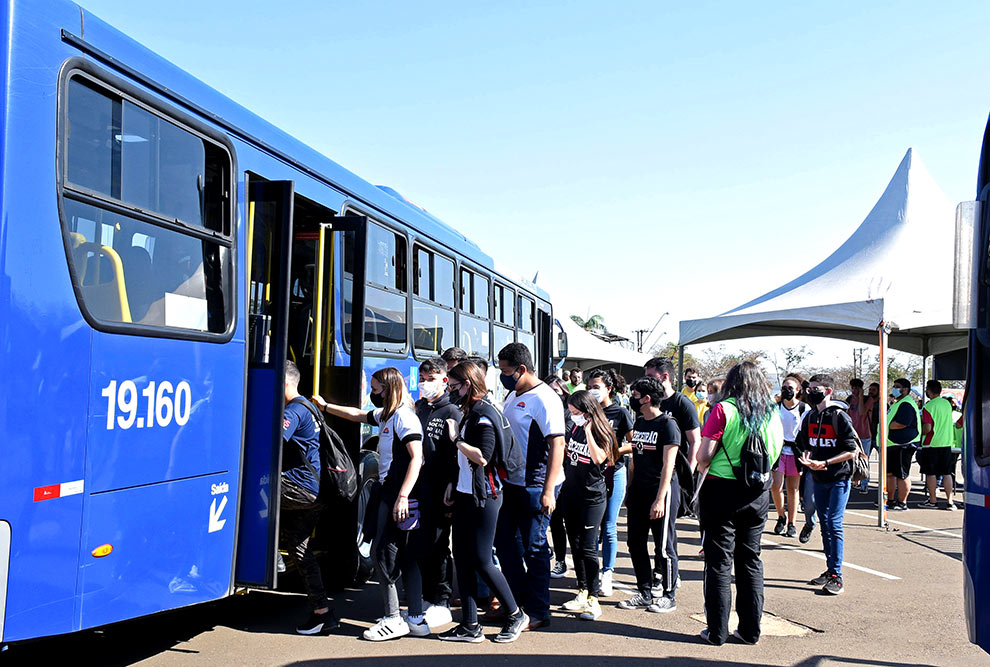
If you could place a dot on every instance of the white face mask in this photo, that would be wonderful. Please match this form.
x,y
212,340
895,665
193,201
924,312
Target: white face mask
x,y
430,390
579,419
599,394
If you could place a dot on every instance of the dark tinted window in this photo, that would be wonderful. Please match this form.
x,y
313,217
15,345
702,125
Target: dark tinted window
x,y
527,311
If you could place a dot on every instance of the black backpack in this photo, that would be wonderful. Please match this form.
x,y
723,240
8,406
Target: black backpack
x,y
339,474
860,463
688,483
754,462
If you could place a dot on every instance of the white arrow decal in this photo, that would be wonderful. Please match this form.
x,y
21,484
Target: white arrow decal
x,y
263,513
216,523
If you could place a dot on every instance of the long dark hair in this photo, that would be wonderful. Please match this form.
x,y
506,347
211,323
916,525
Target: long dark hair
x,y
611,379
600,428
748,385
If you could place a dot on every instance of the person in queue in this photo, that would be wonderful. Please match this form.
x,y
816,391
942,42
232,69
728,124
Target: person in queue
x,y
692,384
787,475
861,406
575,380
300,507
591,448
483,439
937,460
558,533
537,419
434,408
827,442
653,498
903,434
400,454
453,356
733,514
604,385
685,413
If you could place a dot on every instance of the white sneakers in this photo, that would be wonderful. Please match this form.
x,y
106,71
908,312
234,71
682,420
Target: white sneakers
x,y
578,603
418,626
437,615
392,627
592,610
606,583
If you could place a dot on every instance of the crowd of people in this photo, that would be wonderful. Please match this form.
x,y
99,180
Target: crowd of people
x,y
469,485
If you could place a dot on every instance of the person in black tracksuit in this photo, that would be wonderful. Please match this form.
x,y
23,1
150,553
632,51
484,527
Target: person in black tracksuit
x,y
440,458
653,496
591,448
485,454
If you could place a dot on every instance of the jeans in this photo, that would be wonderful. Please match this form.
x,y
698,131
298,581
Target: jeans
x,y
810,517
610,530
584,518
474,533
396,553
558,532
867,449
522,548
733,519
831,499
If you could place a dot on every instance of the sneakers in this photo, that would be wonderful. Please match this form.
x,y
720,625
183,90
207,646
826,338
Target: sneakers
x,y
462,633
559,570
635,602
951,507
806,533
513,627
592,610
735,633
279,563
663,605
391,627
898,506
928,503
834,585
418,626
606,584
778,529
437,615
318,624
707,637
821,579
578,603
791,531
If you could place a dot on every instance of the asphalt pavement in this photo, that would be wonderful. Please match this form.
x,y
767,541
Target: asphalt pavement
x,y
903,606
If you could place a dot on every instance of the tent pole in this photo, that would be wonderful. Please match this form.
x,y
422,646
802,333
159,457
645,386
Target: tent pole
x,y
925,374
680,368
884,330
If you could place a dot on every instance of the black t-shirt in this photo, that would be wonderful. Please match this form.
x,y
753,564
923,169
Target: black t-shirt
x,y
439,451
684,413
622,422
583,477
650,438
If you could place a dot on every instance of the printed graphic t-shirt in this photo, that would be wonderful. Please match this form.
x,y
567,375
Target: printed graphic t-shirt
x,y
534,416
650,438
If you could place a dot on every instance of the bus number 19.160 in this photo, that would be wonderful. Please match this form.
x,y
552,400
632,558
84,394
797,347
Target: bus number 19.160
x,y
160,405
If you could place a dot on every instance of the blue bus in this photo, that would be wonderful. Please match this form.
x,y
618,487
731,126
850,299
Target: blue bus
x,y
162,251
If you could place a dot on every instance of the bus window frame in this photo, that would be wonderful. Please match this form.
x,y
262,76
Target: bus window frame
x,y
352,207
418,244
115,85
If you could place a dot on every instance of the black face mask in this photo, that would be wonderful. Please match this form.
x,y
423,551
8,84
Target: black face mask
x,y
508,381
787,393
815,396
635,404
377,400
690,382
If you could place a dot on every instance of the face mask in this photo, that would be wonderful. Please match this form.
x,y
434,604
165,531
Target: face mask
x,y
701,395
815,396
377,400
599,394
430,390
635,404
508,381
579,419
787,393
690,382
457,398
896,392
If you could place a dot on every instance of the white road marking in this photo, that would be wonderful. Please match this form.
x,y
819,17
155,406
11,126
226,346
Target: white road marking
x,y
908,525
845,564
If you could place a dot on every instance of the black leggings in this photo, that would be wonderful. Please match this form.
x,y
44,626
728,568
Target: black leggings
x,y
582,518
474,535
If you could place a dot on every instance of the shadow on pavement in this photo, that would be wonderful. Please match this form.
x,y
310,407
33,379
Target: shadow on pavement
x,y
592,661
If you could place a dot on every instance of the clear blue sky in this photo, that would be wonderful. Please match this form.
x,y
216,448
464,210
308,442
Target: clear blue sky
x,y
636,154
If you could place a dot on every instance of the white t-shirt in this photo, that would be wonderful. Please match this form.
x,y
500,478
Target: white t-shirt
x,y
791,419
401,427
465,481
534,416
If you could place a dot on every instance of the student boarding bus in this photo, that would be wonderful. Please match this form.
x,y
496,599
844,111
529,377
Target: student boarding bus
x,y
162,251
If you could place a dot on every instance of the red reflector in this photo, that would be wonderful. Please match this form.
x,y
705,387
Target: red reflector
x,y
47,492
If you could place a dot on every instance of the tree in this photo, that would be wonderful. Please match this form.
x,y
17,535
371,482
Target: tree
x,y
593,323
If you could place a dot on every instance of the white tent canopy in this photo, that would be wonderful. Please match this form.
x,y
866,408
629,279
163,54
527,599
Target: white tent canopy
x,y
895,268
587,351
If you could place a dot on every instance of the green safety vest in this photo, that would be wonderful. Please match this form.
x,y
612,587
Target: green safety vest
x,y
734,436
943,427
893,411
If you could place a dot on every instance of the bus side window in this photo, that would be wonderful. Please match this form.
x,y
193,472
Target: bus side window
x,y
433,307
385,294
527,324
503,317
473,319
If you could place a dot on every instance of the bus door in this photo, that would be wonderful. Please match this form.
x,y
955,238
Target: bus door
x,y
270,218
544,339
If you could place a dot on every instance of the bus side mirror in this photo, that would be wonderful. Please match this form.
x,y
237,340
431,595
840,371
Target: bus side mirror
x,y
561,349
963,301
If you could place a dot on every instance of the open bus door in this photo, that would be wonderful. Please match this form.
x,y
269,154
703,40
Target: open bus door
x,y
270,217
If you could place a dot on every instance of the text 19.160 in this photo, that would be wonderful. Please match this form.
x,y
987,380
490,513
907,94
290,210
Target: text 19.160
x,y
162,404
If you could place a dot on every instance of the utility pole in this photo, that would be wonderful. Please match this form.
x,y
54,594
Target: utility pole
x,y
639,338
